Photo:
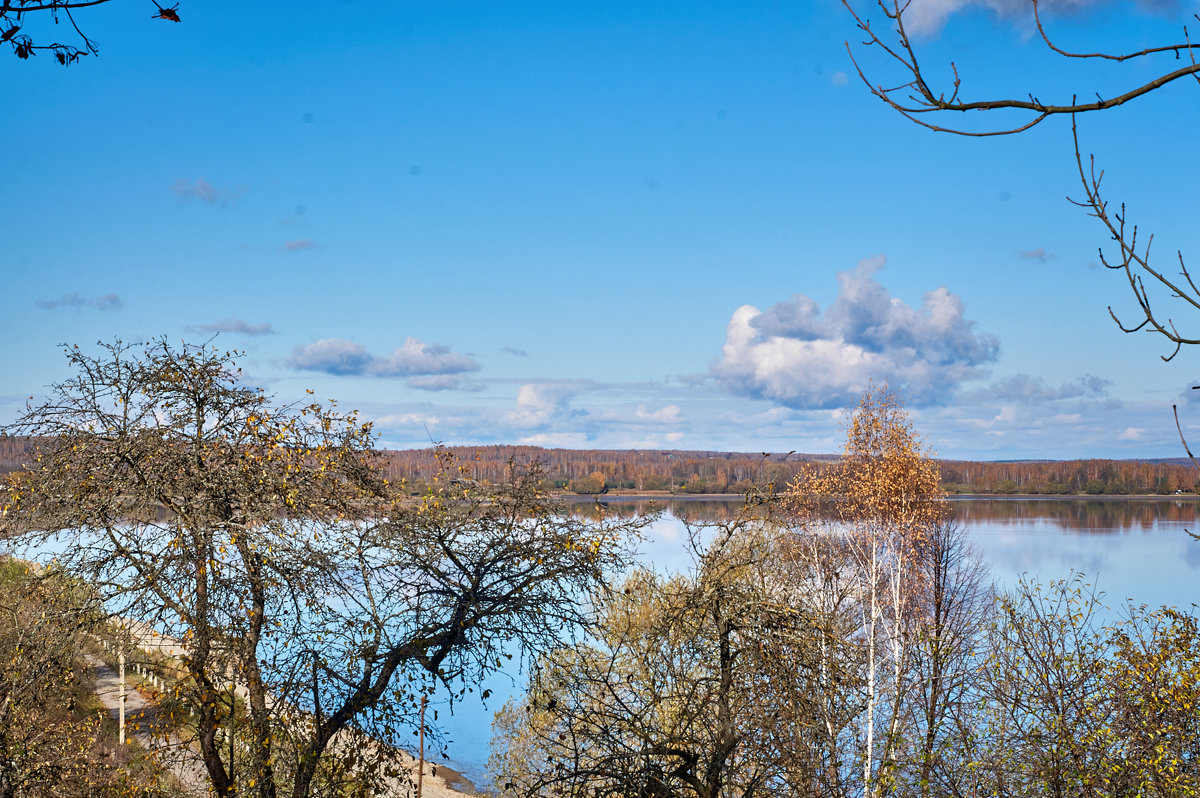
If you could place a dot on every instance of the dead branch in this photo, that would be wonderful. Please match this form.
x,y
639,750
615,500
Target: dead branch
x,y
914,96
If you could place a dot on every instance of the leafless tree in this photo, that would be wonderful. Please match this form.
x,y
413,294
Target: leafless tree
x,y
15,17
265,541
953,615
942,108
681,691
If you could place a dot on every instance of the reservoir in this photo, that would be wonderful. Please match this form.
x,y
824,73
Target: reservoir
x,y
1130,549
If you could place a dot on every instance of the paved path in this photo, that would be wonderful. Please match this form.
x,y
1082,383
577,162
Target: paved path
x,y
143,724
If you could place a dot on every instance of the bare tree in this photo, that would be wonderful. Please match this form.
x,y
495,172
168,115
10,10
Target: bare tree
x,y
820,705
265,541
910,90
954,611
1044,701
679,692
14,26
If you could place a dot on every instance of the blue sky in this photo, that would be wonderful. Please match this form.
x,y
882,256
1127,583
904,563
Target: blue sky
x,y
669,225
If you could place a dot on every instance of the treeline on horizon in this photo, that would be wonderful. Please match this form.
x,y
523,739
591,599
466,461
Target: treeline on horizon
x,y
595,471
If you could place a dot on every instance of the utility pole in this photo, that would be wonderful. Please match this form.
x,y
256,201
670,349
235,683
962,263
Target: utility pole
x,y
421,737
232,710
121,696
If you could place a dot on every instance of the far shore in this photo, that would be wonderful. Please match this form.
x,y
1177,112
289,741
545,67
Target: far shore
x,y
711,497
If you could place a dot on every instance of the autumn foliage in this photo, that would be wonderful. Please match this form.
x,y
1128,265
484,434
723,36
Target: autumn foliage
x,y
55,739
840,639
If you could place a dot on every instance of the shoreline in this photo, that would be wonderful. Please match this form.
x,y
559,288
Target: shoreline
x,y
455,780
711,497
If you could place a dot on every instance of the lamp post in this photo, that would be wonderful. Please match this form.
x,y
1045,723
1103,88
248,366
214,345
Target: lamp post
x,y
121,697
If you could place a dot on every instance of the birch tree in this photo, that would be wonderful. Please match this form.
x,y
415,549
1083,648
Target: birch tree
x,y
882,499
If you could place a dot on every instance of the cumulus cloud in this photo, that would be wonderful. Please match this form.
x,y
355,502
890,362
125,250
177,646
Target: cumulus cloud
x,y
1131,434
78,301
800,356
200,189
234,327
415,359
299,245
539,404
928,16
331,356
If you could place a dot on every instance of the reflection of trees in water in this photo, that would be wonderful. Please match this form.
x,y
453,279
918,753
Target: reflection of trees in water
x,y
689,510
1077,515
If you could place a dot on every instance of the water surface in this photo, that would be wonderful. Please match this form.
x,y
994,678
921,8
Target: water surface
x,y
1130,549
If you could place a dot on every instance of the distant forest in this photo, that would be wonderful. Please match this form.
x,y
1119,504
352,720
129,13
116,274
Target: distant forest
x,y
593,471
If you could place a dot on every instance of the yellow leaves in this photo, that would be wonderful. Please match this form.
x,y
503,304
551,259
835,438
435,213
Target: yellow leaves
x,y
886,474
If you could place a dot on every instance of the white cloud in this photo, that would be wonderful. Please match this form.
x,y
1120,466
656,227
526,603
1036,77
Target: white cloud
x,y
553,440
928,16
538,404
436,382
1131,434
417,360
417,357
670,414
1007,415
234,327
394,420
77,301
797,355
1034,390
331,356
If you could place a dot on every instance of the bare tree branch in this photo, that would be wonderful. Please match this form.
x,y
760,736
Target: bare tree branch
x,y
13,23
916,100
915,96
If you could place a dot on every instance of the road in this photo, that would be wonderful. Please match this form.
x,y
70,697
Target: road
x,y
143,724
184,763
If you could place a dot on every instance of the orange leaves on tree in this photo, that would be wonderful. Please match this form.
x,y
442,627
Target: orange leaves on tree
x,y
886,477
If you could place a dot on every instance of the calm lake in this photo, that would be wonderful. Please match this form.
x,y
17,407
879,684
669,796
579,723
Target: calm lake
x,y
1130,549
